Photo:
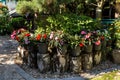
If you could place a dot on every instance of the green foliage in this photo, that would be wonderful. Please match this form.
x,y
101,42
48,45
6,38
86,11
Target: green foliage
x,y
5,28
17,22
116,33
71,23
28,6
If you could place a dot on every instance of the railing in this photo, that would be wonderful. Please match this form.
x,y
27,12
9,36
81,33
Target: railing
x,y
107,21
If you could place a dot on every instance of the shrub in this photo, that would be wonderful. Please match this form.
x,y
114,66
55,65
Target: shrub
x,y
116,33
72,23
5,28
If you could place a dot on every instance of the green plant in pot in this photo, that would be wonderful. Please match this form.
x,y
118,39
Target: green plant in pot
x,y
97,40
58,39
75,44
87,40
41,38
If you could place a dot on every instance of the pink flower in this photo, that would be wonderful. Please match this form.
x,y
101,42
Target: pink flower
x,y
13,35
88,35
98,42
51,35
56,38
83,32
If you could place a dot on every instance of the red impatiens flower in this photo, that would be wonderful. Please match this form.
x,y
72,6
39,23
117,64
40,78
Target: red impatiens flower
x,y
98,42
102,37
38,37
27,35
81,45
17,38
44,36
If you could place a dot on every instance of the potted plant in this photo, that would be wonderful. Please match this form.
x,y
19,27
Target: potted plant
x,y
26,46
41,40
75,45
87,40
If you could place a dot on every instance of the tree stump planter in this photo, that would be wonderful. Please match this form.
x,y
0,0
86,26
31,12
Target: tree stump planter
x,y
87,61
23,53
97,47
88,48
103,49
42,48
75,51
62,58
116,56
43,61
76,65
32,55
97,57
43,58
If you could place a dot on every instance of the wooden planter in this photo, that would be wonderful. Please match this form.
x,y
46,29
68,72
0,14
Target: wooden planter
x,y
43,62
75,51
63,58
97,47
76,65
28,53
97,57
116,56
32,55
103,49
87,61
42,48
88,48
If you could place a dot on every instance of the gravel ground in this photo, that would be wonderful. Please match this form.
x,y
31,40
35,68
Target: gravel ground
x,y
7,45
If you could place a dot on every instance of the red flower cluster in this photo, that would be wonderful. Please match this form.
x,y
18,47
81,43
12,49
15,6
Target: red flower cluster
x,y
17,38
27,35
39,36
44,36
102,37
81,45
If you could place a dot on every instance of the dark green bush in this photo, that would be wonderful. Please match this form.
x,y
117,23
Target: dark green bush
x,y
116,33
17,22
5,28
72,23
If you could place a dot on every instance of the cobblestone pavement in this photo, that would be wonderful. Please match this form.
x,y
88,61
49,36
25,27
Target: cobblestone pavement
x,y
11,71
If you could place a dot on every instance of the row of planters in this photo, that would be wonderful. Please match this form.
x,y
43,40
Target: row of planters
x,y
62,52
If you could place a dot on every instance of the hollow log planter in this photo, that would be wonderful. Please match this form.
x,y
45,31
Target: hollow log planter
x,y
87,58
63,58
32,55
103,50
116,56
87,61
75,63
97,54
23,53
43,58
28,54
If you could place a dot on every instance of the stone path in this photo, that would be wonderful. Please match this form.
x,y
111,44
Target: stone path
x,y
9,70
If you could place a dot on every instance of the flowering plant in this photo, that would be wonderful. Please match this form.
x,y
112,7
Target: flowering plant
x,y
22,36
57,38
105,35
86,37
41,37
75,40
97,37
